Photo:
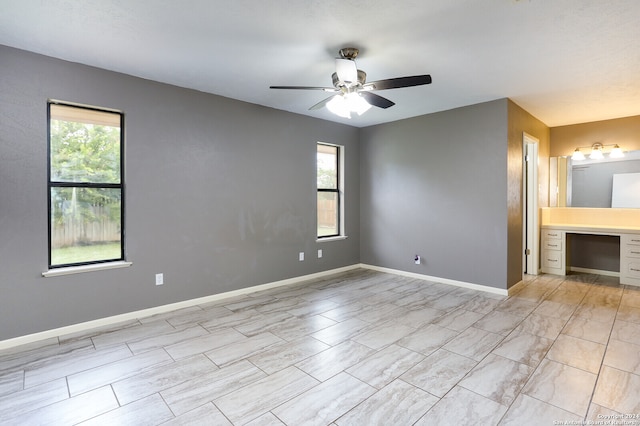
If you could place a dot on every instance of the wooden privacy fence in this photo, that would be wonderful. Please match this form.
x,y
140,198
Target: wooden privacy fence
x,y
327,213
77,230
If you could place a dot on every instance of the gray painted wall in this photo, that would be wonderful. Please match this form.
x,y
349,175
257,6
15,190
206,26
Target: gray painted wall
x,y
220,195
436,186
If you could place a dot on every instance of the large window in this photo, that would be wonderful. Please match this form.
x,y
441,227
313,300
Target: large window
x,y
329,193
86,185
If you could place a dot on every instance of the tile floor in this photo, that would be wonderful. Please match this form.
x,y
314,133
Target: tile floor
x,y
360,348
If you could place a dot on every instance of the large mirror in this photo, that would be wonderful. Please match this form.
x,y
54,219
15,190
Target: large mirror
x,y
595,183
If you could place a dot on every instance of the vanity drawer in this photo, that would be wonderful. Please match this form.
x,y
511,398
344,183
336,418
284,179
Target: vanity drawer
x,y
550,234
631,239
633,269
551,244
551,259
631,251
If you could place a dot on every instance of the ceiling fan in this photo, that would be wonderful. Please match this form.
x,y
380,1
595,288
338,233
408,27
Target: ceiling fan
x,y
353,93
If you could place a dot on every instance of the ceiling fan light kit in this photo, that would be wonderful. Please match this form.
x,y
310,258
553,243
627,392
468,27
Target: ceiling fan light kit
x,y
353,93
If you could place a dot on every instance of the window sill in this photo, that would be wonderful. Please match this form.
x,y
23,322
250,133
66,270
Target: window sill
x,y
85,268
338,238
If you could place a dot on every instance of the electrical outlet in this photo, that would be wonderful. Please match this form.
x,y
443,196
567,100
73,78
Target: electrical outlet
x,y
301,256
319,253
417,260
159,279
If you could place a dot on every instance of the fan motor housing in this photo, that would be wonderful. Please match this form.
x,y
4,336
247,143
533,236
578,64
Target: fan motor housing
x,y
362,77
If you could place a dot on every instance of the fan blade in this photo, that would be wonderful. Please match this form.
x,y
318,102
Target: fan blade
x,y
346,70
377,100
326,89
322,103
397,83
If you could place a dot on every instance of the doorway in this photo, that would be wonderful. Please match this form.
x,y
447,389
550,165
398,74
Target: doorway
x,y
531,238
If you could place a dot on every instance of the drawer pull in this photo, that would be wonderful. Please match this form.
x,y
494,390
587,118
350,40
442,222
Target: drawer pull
x,y
634,240
634,252
634,269
555,245
552,260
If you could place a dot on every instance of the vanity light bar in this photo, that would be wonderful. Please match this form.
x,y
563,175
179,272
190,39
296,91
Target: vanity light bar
x,y
597,152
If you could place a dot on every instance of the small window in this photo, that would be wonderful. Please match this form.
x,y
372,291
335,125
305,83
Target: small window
x,y
329,194
86,185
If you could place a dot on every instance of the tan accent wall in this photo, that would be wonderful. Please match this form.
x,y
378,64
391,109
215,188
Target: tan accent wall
x,y
622,131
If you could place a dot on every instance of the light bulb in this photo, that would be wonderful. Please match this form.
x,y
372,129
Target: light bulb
x,y
577,155
616,152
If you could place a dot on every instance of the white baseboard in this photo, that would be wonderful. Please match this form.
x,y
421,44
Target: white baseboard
x,y
88,325
471,286
594,271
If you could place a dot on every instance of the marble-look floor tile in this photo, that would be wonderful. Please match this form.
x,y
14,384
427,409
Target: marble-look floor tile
x,y
524,347
398,403
599,413
324,403
264,395
178,313
565,387
427,339
439,373
201,344
345,311
383,335
281,356
473,343
11,382
206,387
151,410
166,339
341,331
328,363
498,322
26,400
112,372
527,411
596,312
313,308
448,302
247,302
73,362
296,328
618,390
626,331
578,353
629,314
541,325
594,331
517,306
623,356
41,353
463,407
384,366
481,304
118,337
497,378
552,309
205,415
69,411
377,314
161,377
235,319
420,317
236,351
458,320
267,419
262,323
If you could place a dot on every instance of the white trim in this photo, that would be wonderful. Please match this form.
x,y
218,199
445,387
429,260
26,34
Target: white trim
x,y
327,239
594,271
85,268
471,286
88,325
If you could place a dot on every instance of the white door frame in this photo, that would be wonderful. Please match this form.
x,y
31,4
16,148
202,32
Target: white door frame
x,y
530,228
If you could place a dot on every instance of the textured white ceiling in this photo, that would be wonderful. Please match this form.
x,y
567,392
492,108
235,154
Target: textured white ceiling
x,y
564,61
